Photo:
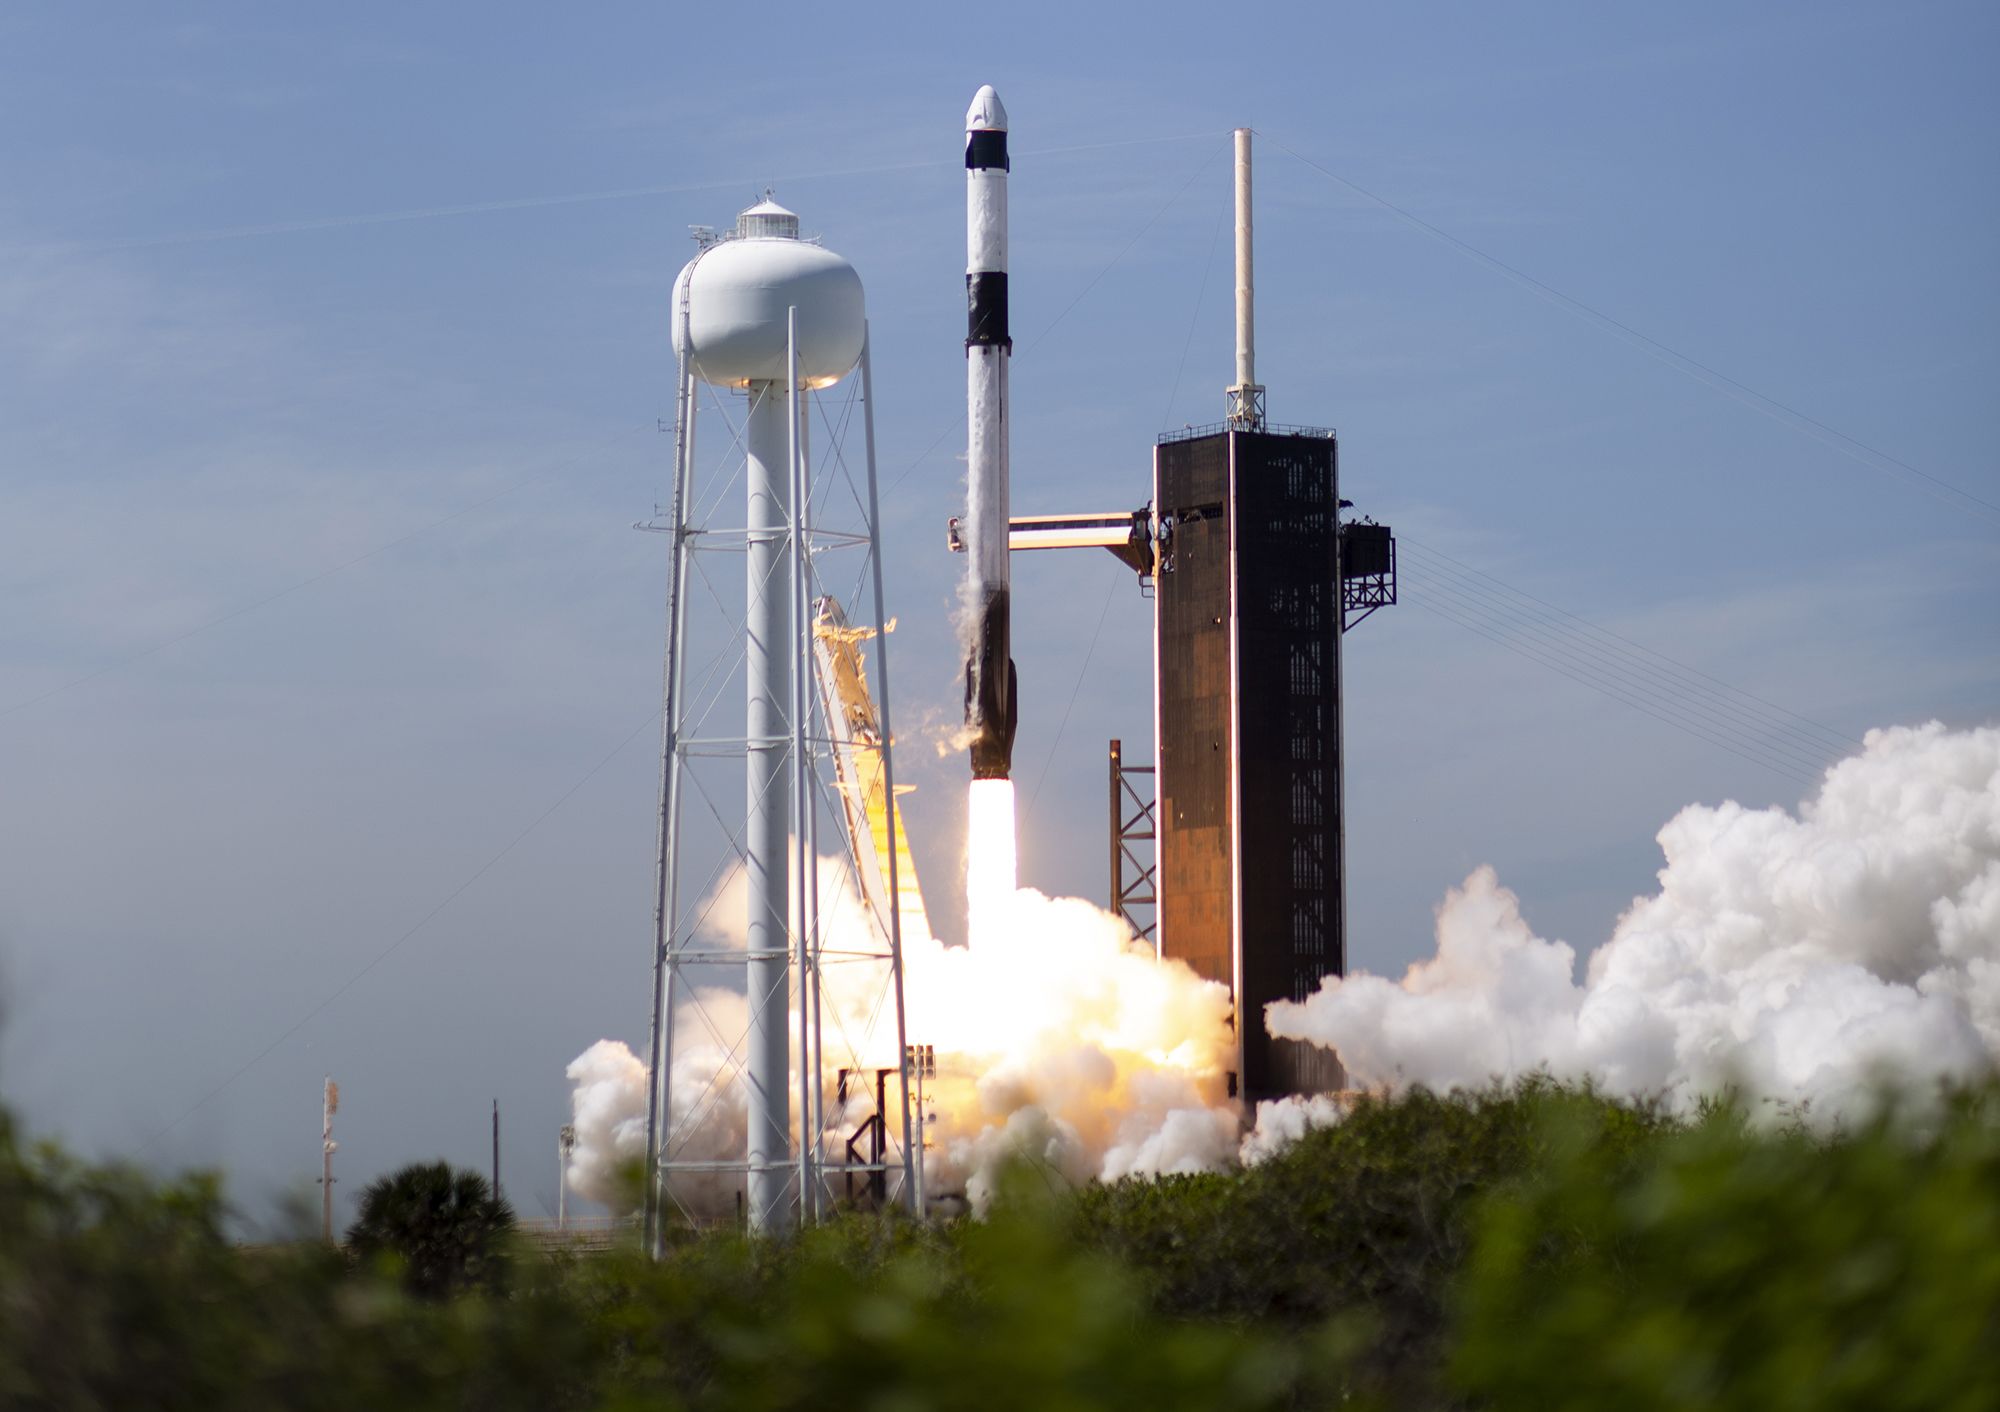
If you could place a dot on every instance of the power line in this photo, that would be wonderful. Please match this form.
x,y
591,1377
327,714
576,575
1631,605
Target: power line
x,y
1787,771
526,203
652,719
1075,691
1444,603
1603,668
1194,319
1832,437
1629,668
1050,328
1139,235
1090,652
1129,246
1644,661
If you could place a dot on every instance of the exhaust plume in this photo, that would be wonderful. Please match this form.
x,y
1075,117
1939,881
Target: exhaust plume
x,y
1060,1041
1804,957
992,867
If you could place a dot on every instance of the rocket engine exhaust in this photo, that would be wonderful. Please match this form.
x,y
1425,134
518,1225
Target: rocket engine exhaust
x,y
990,700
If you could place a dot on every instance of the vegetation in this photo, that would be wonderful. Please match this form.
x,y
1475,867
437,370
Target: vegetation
x,y
443,1231
1723,1268
1531,1247
1365,1224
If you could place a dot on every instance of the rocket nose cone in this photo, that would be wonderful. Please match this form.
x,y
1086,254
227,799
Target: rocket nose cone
x,y
987,113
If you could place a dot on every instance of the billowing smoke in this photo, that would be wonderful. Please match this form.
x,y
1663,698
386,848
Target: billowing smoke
x,y
608,1110
609,1107
1804,958
1059,1040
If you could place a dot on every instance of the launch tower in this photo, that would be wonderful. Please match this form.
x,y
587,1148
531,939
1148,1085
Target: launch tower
x,y
1256,580
1248,810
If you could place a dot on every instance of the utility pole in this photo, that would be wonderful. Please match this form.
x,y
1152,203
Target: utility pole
x,y
920,1063
496,1149
565,1145
329,1105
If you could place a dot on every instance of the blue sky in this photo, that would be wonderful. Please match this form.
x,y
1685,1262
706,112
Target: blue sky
x,y
383,471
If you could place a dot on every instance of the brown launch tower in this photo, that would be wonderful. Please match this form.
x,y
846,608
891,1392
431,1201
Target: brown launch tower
x,y
1248,803
1252,594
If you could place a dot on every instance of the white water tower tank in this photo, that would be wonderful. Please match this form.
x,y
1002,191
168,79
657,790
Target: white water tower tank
x,y
731,300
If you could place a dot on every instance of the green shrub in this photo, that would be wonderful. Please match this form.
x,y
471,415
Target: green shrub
x,y
1536,1246
1006,1313
1363,1224
1739,1268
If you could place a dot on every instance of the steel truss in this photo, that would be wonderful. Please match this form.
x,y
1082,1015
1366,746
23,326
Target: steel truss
x,y
1134,875
688,964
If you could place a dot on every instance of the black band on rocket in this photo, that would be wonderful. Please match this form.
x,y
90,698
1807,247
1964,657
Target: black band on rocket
x,y
986,310
986,149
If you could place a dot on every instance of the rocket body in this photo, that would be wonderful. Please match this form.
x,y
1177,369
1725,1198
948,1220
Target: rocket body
x,y
990,715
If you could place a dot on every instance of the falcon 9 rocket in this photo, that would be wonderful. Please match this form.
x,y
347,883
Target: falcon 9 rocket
x,y
990,715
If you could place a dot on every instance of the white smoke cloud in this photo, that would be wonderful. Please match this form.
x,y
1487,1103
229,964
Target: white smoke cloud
x,y
608,1110
1802,956
1282,1122
710,1119
1060,1042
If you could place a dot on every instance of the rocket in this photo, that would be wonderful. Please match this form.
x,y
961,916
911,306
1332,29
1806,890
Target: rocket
x,y
990,716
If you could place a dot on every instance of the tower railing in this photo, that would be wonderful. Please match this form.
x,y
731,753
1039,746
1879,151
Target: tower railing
x,y
1193,433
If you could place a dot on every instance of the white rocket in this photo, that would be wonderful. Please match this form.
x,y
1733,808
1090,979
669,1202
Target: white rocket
x,y
990,716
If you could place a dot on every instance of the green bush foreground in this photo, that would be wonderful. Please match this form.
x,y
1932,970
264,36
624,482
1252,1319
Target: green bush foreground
x,y
1538,1246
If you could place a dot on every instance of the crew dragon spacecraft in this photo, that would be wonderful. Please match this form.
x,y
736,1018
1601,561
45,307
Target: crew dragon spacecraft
x,y
990,714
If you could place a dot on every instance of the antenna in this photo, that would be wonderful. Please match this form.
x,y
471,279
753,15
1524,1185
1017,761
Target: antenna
x,y
565,1148
329,1104
1246,397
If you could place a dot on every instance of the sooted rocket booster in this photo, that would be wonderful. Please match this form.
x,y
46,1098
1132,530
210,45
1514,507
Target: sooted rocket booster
x,y
990,714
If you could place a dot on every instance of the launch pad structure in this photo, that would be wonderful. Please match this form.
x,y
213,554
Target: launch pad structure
x,y
1255,581
1251,605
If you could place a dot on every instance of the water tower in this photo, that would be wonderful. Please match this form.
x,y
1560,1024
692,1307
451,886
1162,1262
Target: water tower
x,y
767,319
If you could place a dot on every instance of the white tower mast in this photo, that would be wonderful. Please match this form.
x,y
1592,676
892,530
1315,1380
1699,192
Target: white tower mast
x,y
1246,396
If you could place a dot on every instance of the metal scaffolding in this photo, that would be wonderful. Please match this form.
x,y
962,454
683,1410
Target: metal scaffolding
x,y
709,1085
1135,872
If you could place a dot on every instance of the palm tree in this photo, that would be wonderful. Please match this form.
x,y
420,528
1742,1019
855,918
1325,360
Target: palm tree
x,y
447,1227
